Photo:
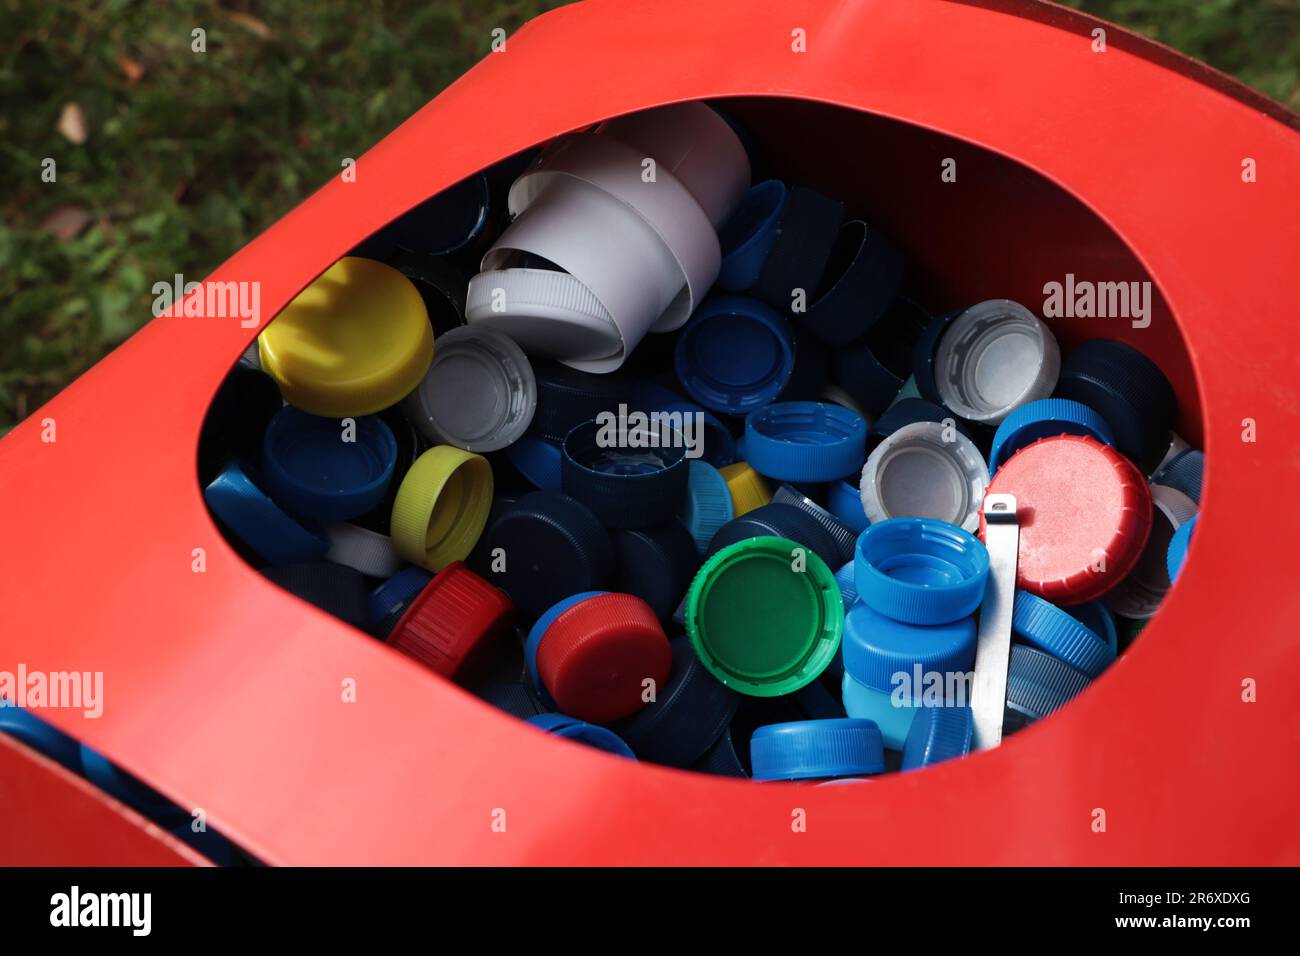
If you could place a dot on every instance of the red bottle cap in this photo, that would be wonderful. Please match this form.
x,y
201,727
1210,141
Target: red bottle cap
x,y
452,621
1085,515
596,655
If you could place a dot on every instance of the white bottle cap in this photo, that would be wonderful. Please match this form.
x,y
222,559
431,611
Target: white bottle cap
x,y
1139,595
995,357
925,470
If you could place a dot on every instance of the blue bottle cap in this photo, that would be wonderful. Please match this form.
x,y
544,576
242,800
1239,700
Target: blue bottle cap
x,y
865,377
135,793
567,397
844,501
707,506
860,282
781,521
687,716
921,571
722,759
334,588
1097,618
538,631
1051,629
514,697
1045,418
938,734
538,460
893,339
805,441
815,749
44,738
444,223
583,733
238,503
236,419
703,427
313,472
746,236
906,412
735,354
630,475
927,347
553,547
1178,545
801,248
396,592
878,649
1183,473
1129,391
1038,683
846,578
845,537
656,564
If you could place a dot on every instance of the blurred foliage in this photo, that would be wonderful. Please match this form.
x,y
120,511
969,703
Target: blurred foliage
x,y
187,156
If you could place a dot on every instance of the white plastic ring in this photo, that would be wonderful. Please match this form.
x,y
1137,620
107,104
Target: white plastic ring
x,y
925,470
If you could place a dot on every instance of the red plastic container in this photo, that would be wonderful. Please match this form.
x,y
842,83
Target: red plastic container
x,y
224,692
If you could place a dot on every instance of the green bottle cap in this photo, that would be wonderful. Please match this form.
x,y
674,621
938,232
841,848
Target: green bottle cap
x,y
765,616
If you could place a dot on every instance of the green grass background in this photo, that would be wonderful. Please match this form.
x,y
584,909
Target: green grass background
x,y
187,157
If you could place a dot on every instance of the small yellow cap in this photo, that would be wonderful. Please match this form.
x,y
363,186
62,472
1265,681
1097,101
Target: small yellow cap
x,y
441,507
354,342
748,488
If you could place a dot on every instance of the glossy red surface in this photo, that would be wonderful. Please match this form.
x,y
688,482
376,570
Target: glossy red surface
x,y
223,691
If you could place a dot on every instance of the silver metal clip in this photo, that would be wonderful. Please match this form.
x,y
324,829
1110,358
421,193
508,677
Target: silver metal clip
x,y
993,652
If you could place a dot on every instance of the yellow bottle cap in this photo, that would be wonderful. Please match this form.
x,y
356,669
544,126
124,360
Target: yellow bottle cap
x,y
441,507
355,341
748,488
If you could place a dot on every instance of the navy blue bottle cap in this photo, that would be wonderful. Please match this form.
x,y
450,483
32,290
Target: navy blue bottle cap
x,y
781,521
396,592
1183,473
584,733
801,248
135,793
859,284
567,397
707,506
708,435
878,649
441,285
805,441
630,475
906,412
866,379
844,501
444,223
1097,618
237,501
237,418
1051,629
816,702
845,537
514,697
893,339
1038,683
410,445
656,564
318,468
747,235
817,749
1045,418
1129,391
538,460
1178,545
687,716
722,759
735,354
44,738
334,588
927,346
551,546
938,734
921,571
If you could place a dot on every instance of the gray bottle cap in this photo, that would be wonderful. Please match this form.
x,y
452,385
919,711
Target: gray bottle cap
x,y
925,470
1139,595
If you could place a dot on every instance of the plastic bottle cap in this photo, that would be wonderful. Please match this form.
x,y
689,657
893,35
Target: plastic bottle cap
x,y
132,791
925,470
446,222
1129,391
236,420
451,624
1095,617
747,487
805,441
1088,516
1038,683
938,734
781,521
860,282
582,732
514,697
396,593
747,235
722,759
554,547
814,749
923,356
921,571
906,412
995,357
364,550
410,444
707,506
479,393
630,475
845,537
317,468
865,377
1183,473
1178,546
335,589
567,397
1062,635
237,501
534,639
708,437
909,390
353,342
538,460
846,578
1043,419
760,626
441,285
735,355
844,501
801,248
835,395
656,564
1140,593
878,649
442,506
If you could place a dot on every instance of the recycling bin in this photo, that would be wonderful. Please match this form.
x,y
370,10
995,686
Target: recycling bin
x,y
1002,150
